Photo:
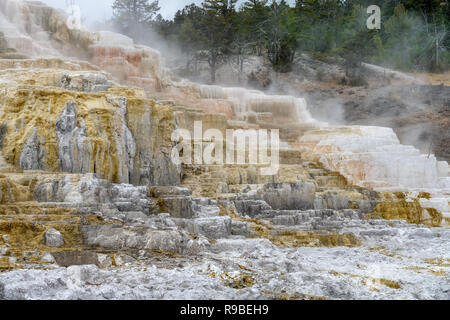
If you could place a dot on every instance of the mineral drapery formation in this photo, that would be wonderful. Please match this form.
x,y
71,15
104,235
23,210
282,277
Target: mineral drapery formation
x,y
92,206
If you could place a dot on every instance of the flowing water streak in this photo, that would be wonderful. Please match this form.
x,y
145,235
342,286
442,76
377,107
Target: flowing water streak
x,y
252,101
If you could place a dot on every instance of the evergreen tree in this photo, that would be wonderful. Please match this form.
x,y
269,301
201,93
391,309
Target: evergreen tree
x,y
132,16
254,13
359,46
414,33
279,30
218,32
189,22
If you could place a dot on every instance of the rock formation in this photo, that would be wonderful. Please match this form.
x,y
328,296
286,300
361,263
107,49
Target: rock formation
x,y
92,205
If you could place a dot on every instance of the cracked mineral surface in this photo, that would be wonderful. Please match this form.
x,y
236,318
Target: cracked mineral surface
x,y
92,206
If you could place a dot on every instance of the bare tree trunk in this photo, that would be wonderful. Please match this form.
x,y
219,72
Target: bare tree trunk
x,y
213,74
213,65
188,64
241,70
195,66
437,53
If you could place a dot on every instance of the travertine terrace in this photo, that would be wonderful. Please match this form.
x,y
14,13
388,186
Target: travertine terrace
x,y
91,205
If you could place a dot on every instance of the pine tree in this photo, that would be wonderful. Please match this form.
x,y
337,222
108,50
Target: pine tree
x,y
414,33
359,46
131,15
253,13
280,30
218,31
190,37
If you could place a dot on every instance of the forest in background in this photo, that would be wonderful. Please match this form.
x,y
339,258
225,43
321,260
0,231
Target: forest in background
x,y
413,37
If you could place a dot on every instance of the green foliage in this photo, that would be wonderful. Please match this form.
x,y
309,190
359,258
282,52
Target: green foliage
x,y
217,32
252,15
279,31
413,36
134,16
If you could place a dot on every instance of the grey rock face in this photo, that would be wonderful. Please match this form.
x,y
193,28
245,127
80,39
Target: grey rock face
x,y
251,208
88,193
239,228
367,206
85,82
47,257
81,189
127,148
205,208
322,219
215,227
32,154
69,135
152,131
289,196
211,227
3,131
163,172
104,261
74,258
277,196
72,141
124,260
175,200
162,192
53,238
79,276
331,200
179,207
157,171
117,238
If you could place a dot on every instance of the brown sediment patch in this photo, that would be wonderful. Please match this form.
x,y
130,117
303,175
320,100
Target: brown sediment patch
x,y
371,288
24,234
295,238
409,210
245,268
424,195
210,273
438,273
384,251
165,253
309,238
224,212
238,282
376,281
388,283
438,262
436,217
400,195
5,264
